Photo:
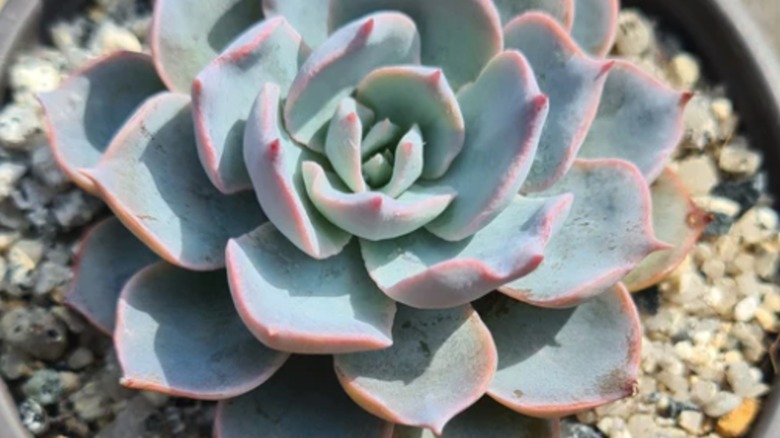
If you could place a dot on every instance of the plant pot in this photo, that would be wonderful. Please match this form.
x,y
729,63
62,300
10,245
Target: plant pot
x,y
721,32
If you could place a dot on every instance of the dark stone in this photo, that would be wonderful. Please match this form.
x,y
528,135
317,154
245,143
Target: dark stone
x,y
648,301
746,192
720,225
676,408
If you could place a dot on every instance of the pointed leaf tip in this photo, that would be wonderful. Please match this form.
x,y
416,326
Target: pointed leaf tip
x,y
675,219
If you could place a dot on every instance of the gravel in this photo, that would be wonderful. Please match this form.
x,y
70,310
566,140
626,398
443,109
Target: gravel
x,y
706,328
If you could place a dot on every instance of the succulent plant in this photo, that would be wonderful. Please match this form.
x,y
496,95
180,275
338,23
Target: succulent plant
x,y
426,207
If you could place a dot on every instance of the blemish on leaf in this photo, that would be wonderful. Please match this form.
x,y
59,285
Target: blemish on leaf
x,y
518,393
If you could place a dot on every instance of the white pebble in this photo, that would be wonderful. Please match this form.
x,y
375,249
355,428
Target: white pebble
x,y
691,421
723,403
739,160
746,309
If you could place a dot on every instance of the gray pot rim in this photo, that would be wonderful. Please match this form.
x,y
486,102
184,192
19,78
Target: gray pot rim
x,y
720,31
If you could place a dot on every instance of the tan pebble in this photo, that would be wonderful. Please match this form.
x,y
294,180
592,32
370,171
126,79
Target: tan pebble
x,y
587,417
746,309
634,34
737,423
767,264
703,392
772,301
691,421
684,71
739,160
670,432
698,174
714,269
767,320
722,108
718,204
732,356
642,426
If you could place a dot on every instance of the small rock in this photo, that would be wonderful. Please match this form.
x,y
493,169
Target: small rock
x,y
76,208
18,125
722,108
703,391
698,174
746,309
737,423
80,358
746,192
8,238
50,276
14,364
635,34
739,160
10,174
23,258
35,331
46,170
110,38
717,204
720,225
91,402
642,426
33,74
767,320
740,378
684,71
723,403
44,387
701,128
691,421
33,417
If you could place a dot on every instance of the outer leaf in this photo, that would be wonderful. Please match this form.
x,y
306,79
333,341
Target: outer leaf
x,y
373,215
423,271
334,69
271,51
295,303
89,108
487,419
274,163
460,36
639,120
310,21
302,400
108,256
408,163
342,145
152,179
440,363
412,95
541,370
561,10
186,37
675,219
572,81
607,233
504,114
595,25
178,333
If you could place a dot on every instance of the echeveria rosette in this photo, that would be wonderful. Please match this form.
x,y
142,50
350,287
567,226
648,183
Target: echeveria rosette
x,y
354,178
